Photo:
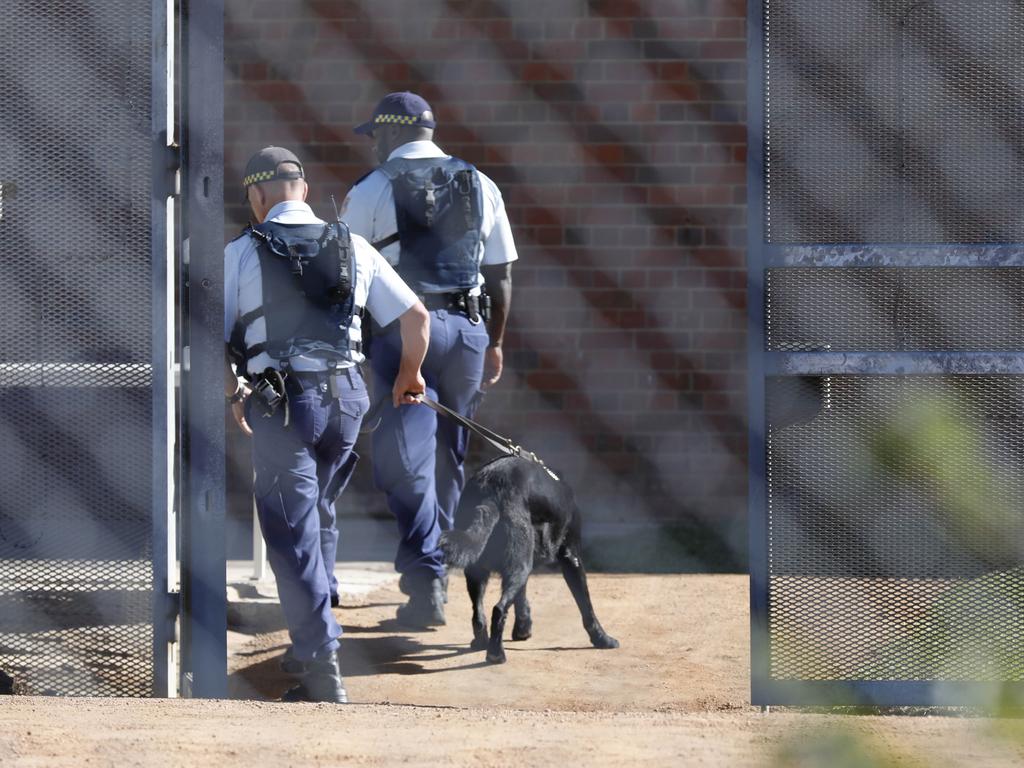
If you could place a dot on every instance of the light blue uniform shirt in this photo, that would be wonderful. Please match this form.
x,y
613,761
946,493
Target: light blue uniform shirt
x,y
377,287
369,210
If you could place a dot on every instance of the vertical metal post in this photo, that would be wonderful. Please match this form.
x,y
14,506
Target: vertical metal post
x,y
757,426
204,558
164,602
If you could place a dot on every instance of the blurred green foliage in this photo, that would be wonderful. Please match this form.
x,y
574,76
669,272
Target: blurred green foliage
x,y
836,748
930,445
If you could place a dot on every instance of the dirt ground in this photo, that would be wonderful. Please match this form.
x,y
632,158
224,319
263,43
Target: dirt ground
x,y
675,693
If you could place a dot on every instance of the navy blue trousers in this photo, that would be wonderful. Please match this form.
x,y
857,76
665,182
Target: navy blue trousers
x,y
418,455
301,470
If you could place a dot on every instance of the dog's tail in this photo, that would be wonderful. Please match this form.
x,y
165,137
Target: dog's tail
x,y
462,548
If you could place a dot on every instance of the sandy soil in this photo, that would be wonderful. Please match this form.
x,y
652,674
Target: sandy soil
x,y
675,693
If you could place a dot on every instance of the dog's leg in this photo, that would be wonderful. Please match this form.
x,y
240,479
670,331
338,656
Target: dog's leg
x,y
476,583
511,585
523,627
576,578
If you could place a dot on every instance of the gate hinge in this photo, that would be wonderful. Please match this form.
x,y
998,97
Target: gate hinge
x,y
172,170
173,603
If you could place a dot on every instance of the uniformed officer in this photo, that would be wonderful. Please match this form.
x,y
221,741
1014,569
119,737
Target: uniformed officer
x,y
443,225
293,289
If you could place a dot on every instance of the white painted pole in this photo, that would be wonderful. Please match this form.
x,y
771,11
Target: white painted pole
x,y
260,566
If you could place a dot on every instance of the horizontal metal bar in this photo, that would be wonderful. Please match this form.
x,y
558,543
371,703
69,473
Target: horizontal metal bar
x,y
886,693
893,363
28,374
1001,255
22,575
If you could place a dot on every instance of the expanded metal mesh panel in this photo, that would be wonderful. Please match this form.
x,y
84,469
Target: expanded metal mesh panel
x,y
75,347
896,528
894,121
894,309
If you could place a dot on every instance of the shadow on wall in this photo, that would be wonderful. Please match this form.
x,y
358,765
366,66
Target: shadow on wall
x,y
688,547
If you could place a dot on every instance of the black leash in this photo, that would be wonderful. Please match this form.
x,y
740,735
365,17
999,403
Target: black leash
x,y
503,444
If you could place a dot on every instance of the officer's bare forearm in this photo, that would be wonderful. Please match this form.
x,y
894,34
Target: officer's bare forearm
x,y
415,328
498,280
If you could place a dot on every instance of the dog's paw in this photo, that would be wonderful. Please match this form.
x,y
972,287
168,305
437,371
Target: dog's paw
x,y
496,657
522,631
479,643
604,641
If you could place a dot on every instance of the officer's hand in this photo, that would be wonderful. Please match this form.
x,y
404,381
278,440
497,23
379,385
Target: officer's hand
x,y
238,411
493,363
407,386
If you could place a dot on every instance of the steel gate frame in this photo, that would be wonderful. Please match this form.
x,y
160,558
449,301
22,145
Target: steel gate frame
x,y
162,165
762,364
203,557
186,176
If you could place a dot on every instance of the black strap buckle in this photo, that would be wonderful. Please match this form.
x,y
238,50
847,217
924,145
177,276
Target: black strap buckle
x,y
269,394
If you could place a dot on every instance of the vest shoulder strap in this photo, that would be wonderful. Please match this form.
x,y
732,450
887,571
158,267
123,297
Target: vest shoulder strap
x,y
397,166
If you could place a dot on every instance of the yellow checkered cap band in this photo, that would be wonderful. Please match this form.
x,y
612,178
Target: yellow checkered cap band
x,y
400,109
256,178
396,119
266,165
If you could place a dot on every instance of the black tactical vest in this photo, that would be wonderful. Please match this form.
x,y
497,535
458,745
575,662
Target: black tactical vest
x,y
439,213
308,277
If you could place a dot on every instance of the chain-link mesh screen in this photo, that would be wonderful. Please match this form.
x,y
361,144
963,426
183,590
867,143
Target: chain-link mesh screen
x,y
894,121
896,528
75,347
894,309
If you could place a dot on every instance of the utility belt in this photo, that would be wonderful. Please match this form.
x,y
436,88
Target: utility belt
x,y
270,389
474,307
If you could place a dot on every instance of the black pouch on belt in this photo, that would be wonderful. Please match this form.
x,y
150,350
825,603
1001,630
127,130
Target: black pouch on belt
x,y
485,305
473,308
268,394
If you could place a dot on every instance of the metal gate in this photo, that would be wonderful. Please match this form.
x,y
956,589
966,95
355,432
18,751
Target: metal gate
x,y
84,356
886,296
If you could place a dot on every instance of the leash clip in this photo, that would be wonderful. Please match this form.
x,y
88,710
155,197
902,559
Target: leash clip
x,y
501,443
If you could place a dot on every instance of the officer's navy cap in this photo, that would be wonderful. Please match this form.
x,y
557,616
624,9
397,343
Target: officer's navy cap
x,y
402,108
263,166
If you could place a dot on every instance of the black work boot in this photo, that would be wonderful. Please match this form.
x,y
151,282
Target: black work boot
x,y
291,665
426,604
322,682
407,584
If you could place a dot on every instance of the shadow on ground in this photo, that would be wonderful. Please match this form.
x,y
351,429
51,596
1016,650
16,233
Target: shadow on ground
x,y
684,644
382,648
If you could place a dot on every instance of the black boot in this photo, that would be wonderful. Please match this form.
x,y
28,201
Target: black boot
x,y
426,604
322,682
407,584
291,665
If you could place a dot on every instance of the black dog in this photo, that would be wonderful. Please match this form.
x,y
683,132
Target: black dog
x,y
513,514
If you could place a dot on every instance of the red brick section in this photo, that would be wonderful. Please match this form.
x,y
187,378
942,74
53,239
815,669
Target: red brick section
x,y
616,131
